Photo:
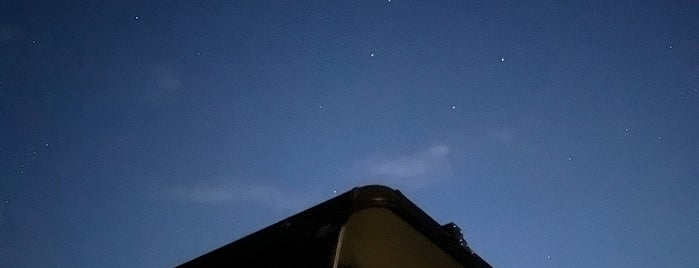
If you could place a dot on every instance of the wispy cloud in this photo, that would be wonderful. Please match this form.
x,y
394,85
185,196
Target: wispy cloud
x,y
503,135
268,196
9,33
162,83
412,170
203,193
407,171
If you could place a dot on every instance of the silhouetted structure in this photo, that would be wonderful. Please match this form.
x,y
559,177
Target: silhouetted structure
x,y
370,226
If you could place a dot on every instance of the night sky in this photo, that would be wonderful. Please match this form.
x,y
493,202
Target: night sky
x,y
146,133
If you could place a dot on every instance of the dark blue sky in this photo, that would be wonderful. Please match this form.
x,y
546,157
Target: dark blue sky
x,y
143,134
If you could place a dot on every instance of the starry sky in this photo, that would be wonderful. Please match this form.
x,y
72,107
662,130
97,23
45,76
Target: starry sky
x,y
146,133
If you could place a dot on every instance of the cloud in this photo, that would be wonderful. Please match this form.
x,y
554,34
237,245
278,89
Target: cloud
x,y
203,194
408,171
412,170
162,83
268,196
8,33
503,135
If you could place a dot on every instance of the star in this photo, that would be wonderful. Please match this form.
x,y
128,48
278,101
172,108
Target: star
x,y
502,59
136,17
372,54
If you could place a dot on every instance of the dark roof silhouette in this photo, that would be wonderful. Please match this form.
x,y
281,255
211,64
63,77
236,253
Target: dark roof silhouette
x,y
369,224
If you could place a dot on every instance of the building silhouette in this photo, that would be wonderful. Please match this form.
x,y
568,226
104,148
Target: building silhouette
x,y
369,226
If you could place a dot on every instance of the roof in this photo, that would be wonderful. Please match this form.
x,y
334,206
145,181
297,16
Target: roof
x,y
307,239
